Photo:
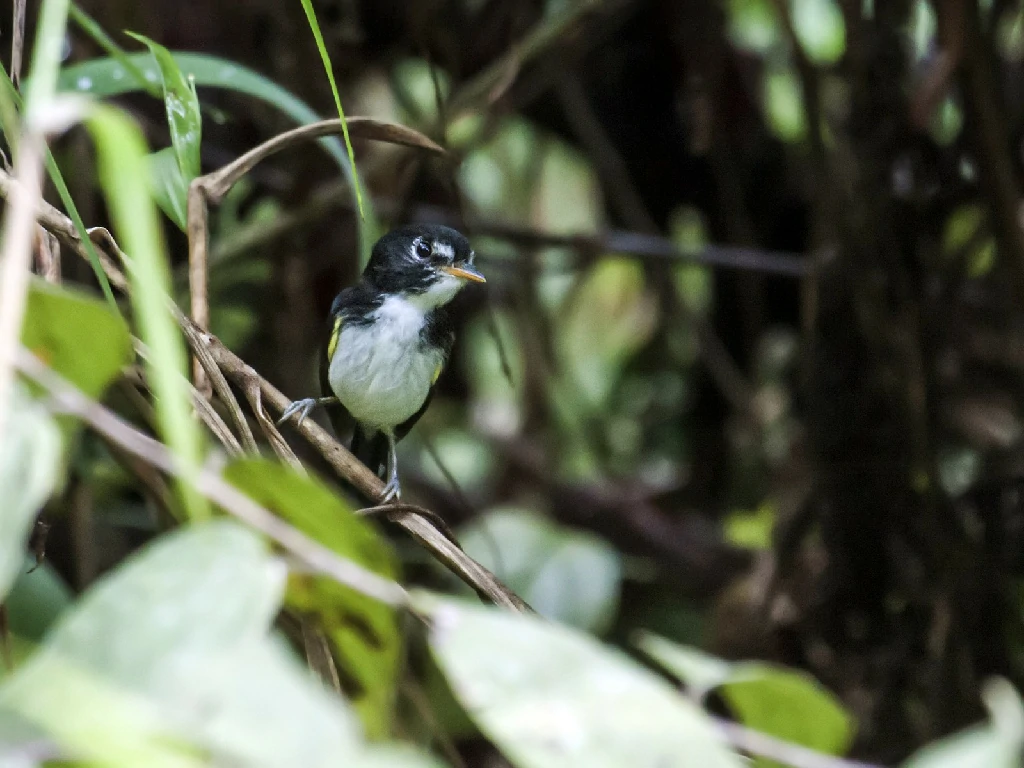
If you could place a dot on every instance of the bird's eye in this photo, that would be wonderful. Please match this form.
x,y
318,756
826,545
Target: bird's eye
x,y
422,249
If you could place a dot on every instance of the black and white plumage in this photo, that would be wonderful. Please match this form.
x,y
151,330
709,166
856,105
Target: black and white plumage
x,y
389,339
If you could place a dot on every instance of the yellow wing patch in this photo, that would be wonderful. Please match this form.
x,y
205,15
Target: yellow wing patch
x,y
332,344
437,374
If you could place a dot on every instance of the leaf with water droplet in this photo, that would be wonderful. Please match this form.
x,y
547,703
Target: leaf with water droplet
x,y
184,119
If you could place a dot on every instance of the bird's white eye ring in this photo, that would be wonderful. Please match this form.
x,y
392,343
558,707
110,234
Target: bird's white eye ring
x,y
423,250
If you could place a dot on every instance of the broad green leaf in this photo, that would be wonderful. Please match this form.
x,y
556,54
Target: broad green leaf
x,y
789,705
569,576
121,160
205,589
182,105
780,702
76,335
996,744
30,464
363,633
92,719
549,696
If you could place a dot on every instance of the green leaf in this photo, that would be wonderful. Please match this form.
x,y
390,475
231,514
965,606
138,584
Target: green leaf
x,y
549,696
168,186
789,705
30,463
36,600
307,6
186,125
784,105
182,104
610,317
753,25
363,633
994,745
121,159
109,77
751,529
780,702
570,576
122,669
820,28
76,335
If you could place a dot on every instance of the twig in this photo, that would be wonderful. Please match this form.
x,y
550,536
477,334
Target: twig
x,y
354,471
639,245
220,384
47,252
17,41
18,228
210,484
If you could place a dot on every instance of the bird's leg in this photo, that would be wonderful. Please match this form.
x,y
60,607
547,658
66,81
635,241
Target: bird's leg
x,y
303,408
393,490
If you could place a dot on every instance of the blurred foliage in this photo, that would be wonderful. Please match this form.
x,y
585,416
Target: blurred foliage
x,y
633,437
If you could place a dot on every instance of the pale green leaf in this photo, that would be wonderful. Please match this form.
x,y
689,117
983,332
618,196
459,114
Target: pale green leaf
x,y
569,576
549,696
30,465
363,632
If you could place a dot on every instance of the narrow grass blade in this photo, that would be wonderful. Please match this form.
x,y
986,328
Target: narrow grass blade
x,y
121,164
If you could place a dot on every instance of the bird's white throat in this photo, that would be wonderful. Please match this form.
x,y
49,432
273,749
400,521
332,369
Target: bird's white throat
x,y
381,371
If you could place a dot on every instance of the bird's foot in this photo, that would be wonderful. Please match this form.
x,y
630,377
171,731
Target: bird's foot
x,y
302,407
392,492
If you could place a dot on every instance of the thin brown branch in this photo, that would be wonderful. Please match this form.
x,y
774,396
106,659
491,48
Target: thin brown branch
x,y
17,41
198,274
640,245
220,384
214,487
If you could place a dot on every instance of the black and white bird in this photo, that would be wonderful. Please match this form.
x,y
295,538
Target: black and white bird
x,y
389,339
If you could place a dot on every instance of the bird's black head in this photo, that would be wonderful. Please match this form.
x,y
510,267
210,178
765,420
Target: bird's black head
x,y
428,263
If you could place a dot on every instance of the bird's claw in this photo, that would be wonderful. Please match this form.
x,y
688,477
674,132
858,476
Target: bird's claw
x,y
302,407
392,492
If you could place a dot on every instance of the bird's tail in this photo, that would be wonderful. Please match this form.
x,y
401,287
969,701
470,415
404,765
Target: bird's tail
x,y
372,450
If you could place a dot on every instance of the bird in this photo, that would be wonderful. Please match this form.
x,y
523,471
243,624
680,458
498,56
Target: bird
x,y
387,340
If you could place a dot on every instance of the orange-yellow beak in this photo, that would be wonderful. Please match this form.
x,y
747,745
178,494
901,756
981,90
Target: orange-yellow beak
x,y
466,272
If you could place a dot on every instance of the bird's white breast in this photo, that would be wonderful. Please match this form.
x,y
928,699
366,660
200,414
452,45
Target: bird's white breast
x,y
380,371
